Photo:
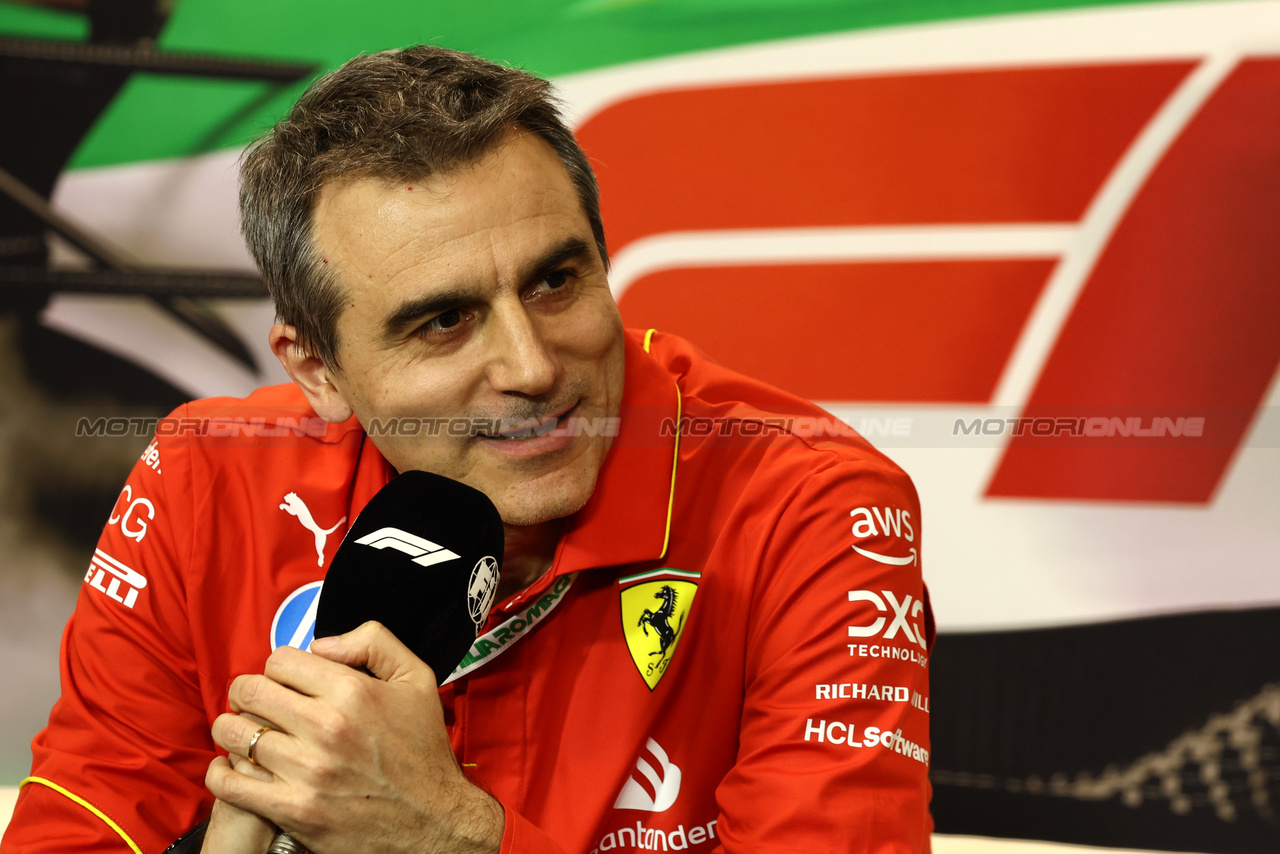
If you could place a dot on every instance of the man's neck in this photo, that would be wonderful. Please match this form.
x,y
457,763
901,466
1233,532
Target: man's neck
x,y
527,555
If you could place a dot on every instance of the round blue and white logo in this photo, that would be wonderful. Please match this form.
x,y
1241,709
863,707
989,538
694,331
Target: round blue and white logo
x,y
295,620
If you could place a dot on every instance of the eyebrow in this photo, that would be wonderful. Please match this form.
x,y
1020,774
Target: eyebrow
x,y
569,249
410,312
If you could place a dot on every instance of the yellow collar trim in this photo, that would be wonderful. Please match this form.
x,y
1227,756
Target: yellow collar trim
x,y
675,456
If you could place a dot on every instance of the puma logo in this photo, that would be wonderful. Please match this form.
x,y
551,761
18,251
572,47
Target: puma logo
x,y
295,506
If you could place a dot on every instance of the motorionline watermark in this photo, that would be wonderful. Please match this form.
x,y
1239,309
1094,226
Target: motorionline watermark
x,y
925,429
804,426
461,427
117,426
1094,427
285,426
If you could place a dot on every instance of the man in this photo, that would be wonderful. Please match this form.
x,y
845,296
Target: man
x,y
711,631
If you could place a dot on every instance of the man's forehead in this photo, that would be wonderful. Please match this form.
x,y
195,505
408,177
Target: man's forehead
x,y
520,177
516,154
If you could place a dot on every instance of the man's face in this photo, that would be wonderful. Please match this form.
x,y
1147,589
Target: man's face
x,y
478,295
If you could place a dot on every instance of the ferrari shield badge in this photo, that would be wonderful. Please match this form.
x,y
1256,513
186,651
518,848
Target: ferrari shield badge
x,y
655,607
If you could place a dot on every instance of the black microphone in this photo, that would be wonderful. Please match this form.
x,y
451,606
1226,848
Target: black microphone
x,y
423,559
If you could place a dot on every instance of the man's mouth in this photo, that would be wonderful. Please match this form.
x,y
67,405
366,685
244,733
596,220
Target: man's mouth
x,y
529,428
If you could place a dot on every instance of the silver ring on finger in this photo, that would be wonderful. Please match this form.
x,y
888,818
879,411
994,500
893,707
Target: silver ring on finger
x,y
286,844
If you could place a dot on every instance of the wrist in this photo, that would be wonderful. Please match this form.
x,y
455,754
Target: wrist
x,y
480,824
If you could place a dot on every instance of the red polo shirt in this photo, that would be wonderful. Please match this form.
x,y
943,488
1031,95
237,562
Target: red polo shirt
x,y
730,652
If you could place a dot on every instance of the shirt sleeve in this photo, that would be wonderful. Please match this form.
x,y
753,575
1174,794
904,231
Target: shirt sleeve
x,y
834,740
121,765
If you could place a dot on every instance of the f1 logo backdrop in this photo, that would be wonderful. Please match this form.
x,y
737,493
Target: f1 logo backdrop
x,y
930,229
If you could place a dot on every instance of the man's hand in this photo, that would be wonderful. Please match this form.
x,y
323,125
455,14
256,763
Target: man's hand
x,y
232,830
359,762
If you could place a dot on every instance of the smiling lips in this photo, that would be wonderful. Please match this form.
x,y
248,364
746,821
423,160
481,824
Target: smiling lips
x,y
531,432
529,442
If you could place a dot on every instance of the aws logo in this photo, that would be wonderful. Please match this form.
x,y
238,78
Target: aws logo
x,y
887,521
654,613
882,521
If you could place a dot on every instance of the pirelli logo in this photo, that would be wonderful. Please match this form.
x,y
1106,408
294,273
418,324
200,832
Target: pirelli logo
x,y
122,583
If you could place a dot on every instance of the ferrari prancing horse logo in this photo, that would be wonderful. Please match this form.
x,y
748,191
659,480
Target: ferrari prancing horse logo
x,y
653,616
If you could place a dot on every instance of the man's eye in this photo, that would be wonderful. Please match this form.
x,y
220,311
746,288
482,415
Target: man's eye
x,y
447,320
556,286
443,322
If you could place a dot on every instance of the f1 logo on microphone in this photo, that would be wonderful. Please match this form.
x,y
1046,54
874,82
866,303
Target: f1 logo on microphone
x,y
423,551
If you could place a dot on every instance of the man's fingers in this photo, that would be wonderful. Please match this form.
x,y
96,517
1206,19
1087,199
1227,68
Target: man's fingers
x,y
265,698
306,674
374,647
239,790
251,769
236,735
219,761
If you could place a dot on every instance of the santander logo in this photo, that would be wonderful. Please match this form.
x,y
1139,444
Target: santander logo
x,y
654,783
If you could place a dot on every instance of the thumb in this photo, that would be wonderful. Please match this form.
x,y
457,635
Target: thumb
x,y
373,647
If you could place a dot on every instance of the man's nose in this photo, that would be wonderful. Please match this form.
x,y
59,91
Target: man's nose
x,y
521,359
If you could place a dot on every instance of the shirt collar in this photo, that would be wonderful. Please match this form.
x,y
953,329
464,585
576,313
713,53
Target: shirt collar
x,y
628,518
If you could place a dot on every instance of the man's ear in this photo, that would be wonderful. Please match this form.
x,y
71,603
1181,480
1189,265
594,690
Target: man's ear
x,y
310,374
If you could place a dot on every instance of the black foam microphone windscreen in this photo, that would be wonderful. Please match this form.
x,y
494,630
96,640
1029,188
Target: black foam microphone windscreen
x,y
423,559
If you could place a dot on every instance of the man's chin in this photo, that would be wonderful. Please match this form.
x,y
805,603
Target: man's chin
x,y
531,504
